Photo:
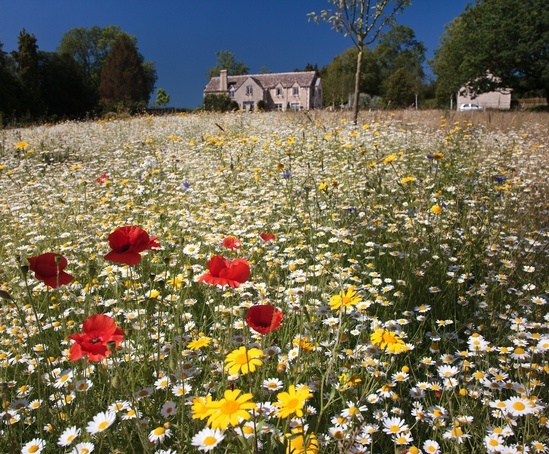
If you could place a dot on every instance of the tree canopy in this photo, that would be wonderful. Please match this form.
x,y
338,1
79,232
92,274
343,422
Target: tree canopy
x,y
507,39
227,60
124,82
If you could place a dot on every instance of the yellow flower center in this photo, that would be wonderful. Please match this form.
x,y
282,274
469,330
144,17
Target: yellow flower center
x,y
209,441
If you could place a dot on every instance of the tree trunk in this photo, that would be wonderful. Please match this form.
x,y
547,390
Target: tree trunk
x,y
357,84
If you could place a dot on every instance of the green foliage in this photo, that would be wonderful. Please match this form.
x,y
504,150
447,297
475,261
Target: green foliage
x,y
162,98
505,38
227,60
338,78
363,21
399,49
26,59
124,83
217,103
402,88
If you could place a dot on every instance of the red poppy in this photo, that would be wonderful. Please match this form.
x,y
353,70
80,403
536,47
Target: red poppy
x,y
101,179
231,242
225,272
268,236
49,268
264,318
99,330
126,244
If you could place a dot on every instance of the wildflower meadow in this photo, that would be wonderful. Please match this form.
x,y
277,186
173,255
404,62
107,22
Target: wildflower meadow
x,y
277,283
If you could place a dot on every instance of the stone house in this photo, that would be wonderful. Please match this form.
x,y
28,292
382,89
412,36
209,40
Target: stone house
x,y
278,91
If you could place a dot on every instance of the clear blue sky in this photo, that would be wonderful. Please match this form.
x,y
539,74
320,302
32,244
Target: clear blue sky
x,y
182,36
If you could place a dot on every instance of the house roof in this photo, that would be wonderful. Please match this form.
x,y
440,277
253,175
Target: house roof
x,y
267,81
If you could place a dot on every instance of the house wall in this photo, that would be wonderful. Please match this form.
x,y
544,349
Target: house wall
x,y
243,98
490,100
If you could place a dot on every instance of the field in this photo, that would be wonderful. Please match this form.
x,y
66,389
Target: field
x,y
276,283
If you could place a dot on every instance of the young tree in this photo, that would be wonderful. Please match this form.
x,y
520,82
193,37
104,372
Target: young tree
x,y
338,78
124,83
9,88
227,60
506,38
363,21
162,98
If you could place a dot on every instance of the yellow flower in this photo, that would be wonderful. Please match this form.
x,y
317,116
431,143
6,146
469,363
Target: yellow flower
x,y
199,343
230,410
292,401
389,159
21,145
436,209
243,360
300,444
389,340
407,180
345,299
202,407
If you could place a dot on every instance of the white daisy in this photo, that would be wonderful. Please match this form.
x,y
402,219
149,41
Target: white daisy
x,y
68,436
159,434
207,439
101,422
83,448
35,446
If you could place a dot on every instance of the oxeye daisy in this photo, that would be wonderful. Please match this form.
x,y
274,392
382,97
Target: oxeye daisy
x,y
68,436
159,434
207,439
101,422
83,448
518,406
168,409
34,446
272,384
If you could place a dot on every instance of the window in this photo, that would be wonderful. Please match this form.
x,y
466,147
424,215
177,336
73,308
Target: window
x,y
278,106
278,91
249,90
295,91
231,92
295,106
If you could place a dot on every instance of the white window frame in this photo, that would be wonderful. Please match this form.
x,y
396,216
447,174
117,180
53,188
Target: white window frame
x,y
249,90
295,91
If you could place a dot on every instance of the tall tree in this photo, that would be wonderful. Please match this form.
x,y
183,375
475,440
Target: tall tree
x,y
10,93
26,60
65,92
124,82
90,47
399,49
227,60
363,21
508,39
338,77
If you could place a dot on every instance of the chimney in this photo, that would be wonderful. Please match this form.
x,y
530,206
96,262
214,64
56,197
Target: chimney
x,y
223,80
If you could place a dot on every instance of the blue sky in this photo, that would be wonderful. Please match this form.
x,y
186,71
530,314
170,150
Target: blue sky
x,y
182,36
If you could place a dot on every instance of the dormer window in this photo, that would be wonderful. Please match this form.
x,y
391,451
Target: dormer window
x,y
295,91
249,90
278,91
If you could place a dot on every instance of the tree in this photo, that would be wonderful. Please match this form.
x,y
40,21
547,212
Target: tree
x,y
399,49
162,98
10,93
401,88
26,60
338,78
90,47
64,88
363,21
124,83
227,60
504,38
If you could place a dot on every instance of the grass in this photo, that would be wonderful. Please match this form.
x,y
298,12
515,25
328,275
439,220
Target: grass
x,y
410,263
